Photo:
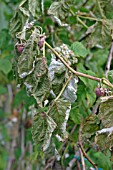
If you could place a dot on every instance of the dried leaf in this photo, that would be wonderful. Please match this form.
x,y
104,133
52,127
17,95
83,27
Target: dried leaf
x,y
43,127
58,9
106,111
60,114
34,7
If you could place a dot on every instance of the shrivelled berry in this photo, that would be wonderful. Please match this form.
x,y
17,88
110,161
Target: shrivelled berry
x,y
20,48
100,92
28,124
41,41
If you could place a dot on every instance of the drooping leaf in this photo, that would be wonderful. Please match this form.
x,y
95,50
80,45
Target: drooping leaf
x,y
70,92
26,61
43,127
57,69
90,127
34,7
101,34
58,9
104,142
60,114
17,22
32,70
106,111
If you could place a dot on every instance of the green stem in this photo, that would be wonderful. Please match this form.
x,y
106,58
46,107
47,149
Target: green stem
x,y
64,87
90,18
44,54
79,19
82,23
105,81
100,9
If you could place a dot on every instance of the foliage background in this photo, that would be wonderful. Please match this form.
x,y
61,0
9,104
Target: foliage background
x,y
17,148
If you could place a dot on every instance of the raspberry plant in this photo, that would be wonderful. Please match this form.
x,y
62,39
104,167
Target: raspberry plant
x,y
61,74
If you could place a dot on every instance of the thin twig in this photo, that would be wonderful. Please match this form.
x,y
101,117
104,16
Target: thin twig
x,y
42,6
65,85
85,26
89,18
100,9
71,69
82,159
22,156
109,60
103,80
85,154
50,163
82,149
12,156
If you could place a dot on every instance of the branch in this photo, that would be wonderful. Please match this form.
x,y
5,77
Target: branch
x,y
85,26
12,156
82,159
103,80
82,149
109,60
70,68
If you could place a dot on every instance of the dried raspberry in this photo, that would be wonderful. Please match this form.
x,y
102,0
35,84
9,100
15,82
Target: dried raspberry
x,y
41,41
20,48
100,91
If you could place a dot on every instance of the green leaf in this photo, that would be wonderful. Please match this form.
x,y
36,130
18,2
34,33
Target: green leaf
x,y
60,114
79,49
5,65
58,9
43,127
21,96
90,127
110,76
75,116
18,21
101,34
106,111
26,60
34,7
4,10
3,90
33,70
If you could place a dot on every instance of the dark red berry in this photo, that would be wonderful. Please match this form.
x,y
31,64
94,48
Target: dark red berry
x,y
41,41
100,91
20,49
